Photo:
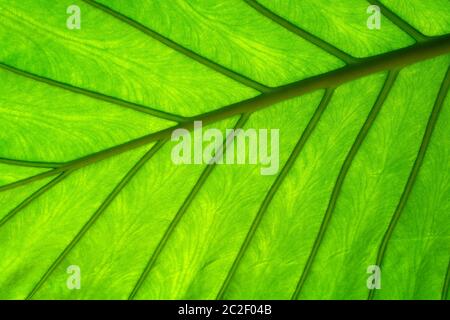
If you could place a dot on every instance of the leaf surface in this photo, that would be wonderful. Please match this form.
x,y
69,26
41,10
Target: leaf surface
x,y
87,179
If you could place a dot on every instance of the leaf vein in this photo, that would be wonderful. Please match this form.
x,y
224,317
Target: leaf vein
x,y
125,180
179,48
446,283
414,172
399,22
169,231
274,188
95,95
391,60
389,82
33,196
329,48
31,164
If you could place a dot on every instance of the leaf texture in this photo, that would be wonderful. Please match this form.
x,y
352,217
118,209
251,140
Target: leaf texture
x,y
86,176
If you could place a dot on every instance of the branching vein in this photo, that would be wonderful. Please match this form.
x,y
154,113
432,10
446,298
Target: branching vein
x,y
119,187
399,22
31,164
414,172
185,51
383,62
33,196
342,175
274,188
446,285
95,95
338,53
426,48
199,184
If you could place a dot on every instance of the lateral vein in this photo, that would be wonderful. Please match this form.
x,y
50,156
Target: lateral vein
x,y
33,196
119,187
31,164
446,283
399,22
95,95
179,48
389,82
274,188
187,202
338,53
392,60
414,172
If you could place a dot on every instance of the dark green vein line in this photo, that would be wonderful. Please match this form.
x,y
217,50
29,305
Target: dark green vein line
x,y
392,60
446,283
390,80
187,202
302,33
274,188
179,48
32,164
95,95
33,196
399,22
414,172
119,187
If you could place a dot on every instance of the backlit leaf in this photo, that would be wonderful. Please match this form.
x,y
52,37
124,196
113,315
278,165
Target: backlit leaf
x,y
87,177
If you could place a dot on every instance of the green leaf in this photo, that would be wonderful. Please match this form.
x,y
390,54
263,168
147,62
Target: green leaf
x,y
87,179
